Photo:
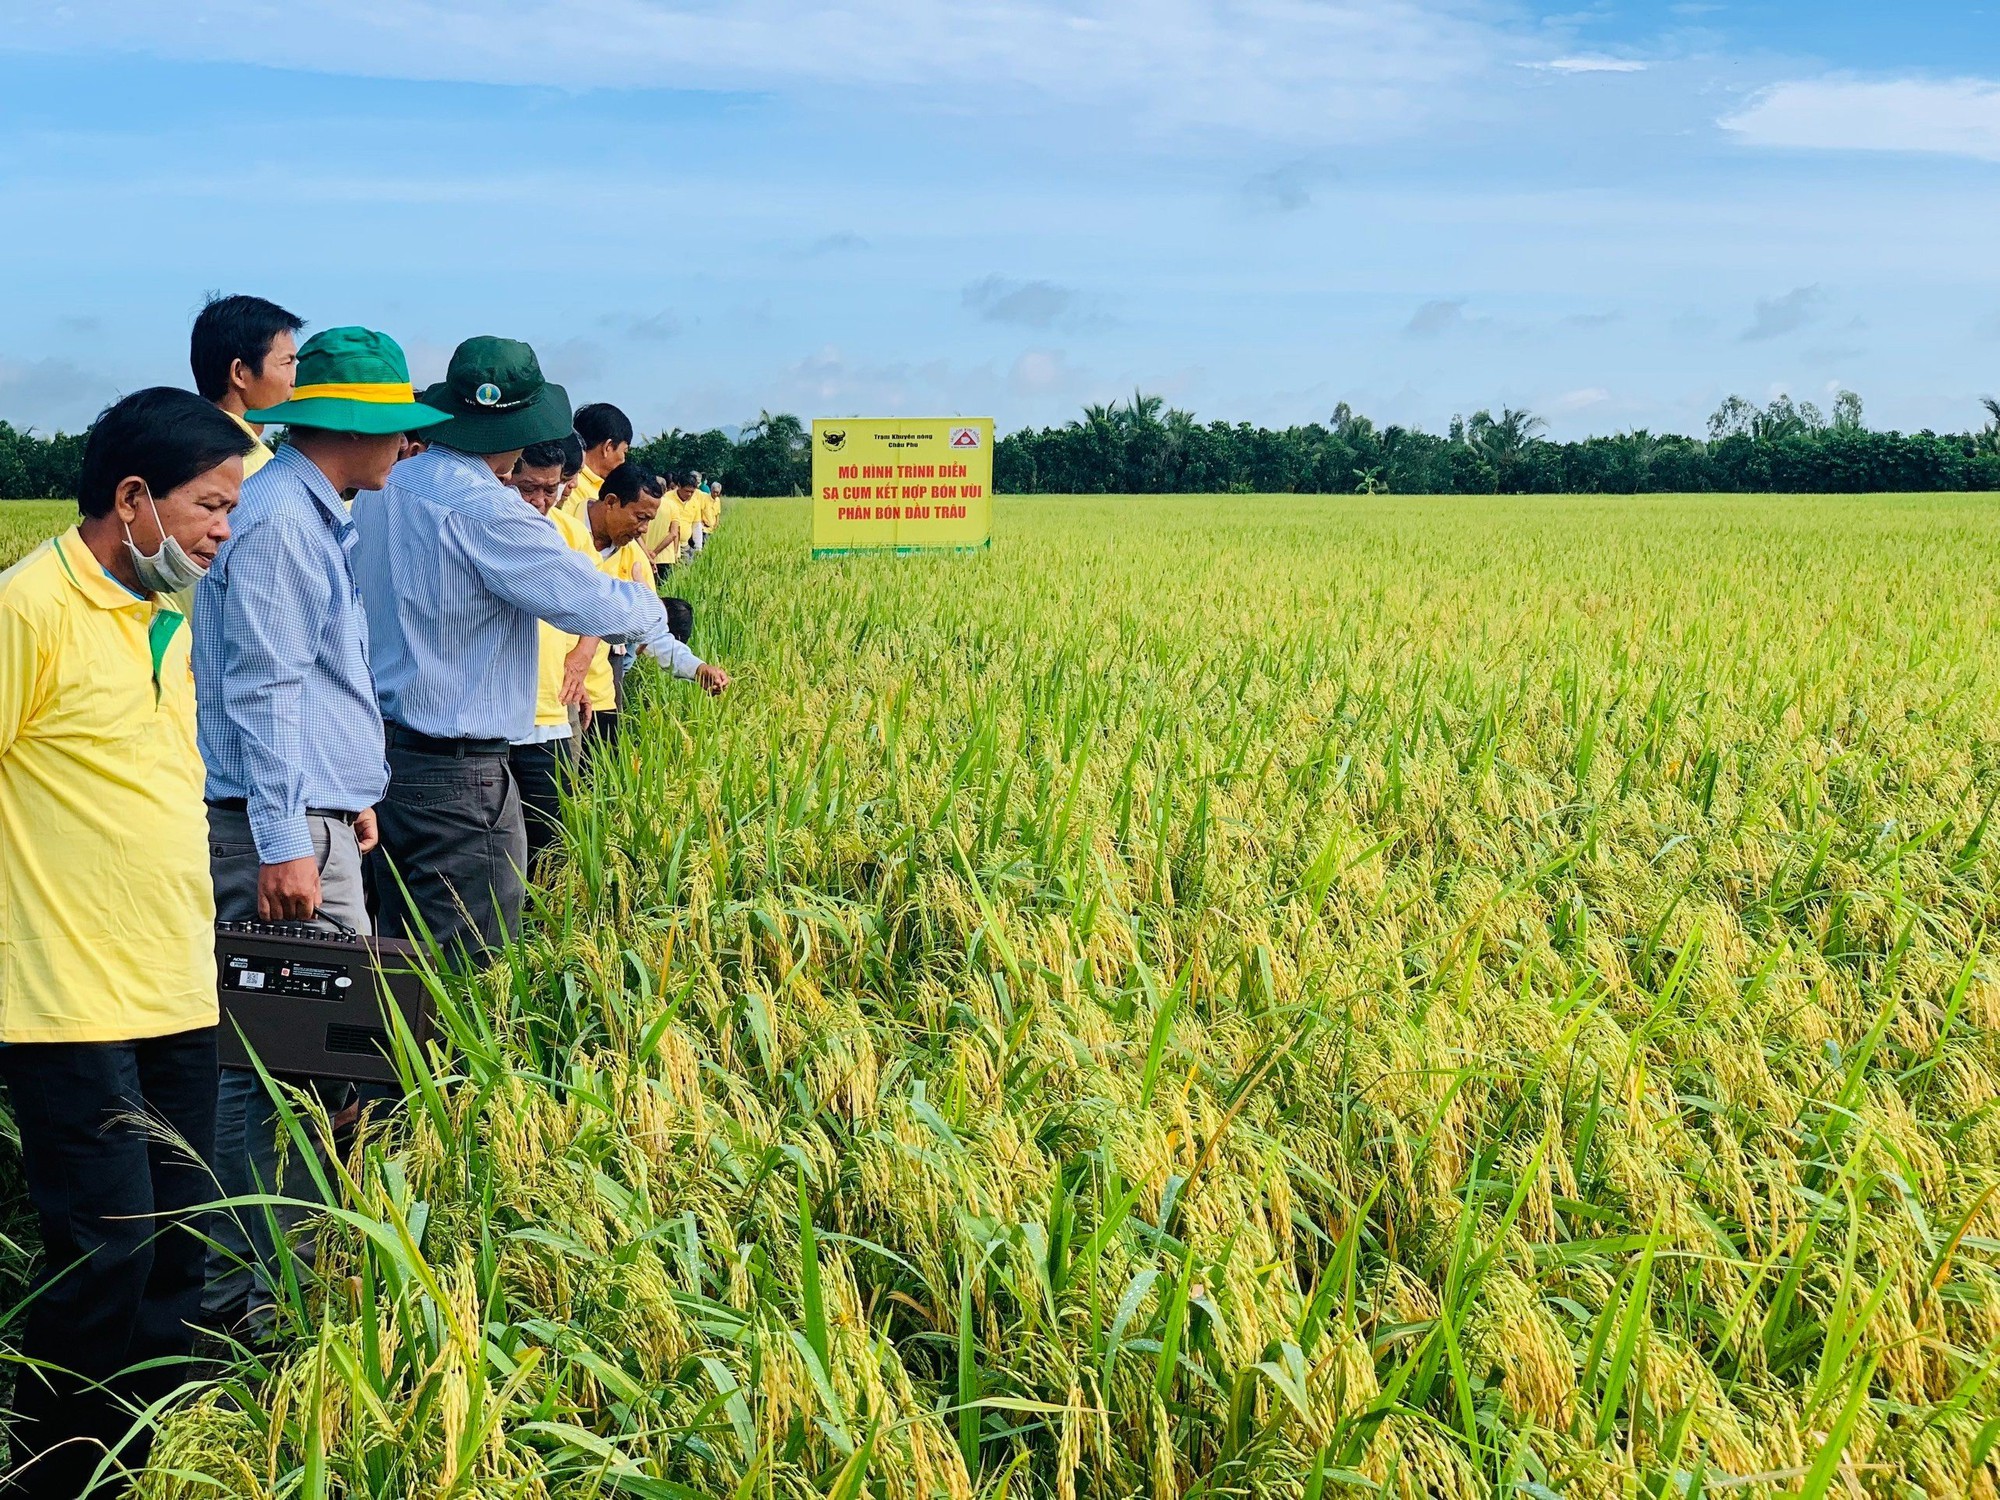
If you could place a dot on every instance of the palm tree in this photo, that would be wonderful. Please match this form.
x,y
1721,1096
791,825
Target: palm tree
x,y
1505,442
1351,425
1102,450
1987,439
1633,454
1143,411
776,451
1504,439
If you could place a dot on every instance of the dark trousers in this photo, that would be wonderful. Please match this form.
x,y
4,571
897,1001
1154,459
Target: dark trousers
x,y
120,1280
604,727
452,831
249,1152
539,771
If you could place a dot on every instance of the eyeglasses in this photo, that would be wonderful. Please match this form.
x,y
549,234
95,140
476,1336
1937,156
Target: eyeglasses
x,y
527,488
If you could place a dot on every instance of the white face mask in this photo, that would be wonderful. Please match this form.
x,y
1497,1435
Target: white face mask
x,y
169,570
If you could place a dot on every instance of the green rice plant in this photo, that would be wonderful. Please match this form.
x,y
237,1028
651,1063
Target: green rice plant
x,y
1361,995
24,523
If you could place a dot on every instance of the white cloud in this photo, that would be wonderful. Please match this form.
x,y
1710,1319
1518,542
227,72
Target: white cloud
x,y
1040,385
1445,316
1288,188
1334,70
1778,316
1589,65
1576,401
1033,304
1955,117
1434,318
1041,373
53,394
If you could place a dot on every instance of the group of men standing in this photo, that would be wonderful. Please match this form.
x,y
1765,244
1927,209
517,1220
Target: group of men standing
x,y
391,613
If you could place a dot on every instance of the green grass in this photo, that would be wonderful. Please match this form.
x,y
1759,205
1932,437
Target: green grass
x,y
1225,996
23,523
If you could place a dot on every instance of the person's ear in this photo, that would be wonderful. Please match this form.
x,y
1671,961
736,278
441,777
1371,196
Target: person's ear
x,y
240,375
128,499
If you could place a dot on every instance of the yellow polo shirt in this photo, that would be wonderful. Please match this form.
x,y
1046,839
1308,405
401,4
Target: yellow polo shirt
x,y
711,508
107,918
577,502
258,456
557,644
672,512
629,564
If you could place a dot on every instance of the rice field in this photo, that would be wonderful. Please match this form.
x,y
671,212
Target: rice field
x,y
25,522
1262,996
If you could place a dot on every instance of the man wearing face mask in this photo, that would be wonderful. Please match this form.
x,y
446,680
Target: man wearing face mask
x,y
290,731
107,942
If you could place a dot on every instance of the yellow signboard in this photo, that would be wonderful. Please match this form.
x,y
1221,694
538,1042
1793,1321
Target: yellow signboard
x,y
901,484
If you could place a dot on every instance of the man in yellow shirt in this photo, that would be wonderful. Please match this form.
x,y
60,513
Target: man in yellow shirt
x,y
618,519
606,434
544,756
107,941
711,503
244,354
690,499
666,539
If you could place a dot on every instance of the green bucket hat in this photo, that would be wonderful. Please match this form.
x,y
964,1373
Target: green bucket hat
x,y
352,380
497,399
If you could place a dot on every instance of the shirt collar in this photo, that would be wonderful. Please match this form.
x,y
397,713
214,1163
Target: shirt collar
x,y
325,496
253,432
80,567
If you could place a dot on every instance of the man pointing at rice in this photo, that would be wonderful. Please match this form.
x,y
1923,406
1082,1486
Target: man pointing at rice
x,y
455,572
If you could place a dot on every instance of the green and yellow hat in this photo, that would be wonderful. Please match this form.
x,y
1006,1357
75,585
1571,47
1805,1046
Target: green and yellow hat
x,y
497,399
352,380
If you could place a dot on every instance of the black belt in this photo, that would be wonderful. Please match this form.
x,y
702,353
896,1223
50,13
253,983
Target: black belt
x,y
401,738
238,804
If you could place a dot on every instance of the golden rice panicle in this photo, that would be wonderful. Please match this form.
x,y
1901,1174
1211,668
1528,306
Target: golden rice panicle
x,y
1489,996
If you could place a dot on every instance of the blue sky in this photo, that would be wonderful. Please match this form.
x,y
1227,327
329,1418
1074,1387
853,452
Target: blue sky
x,y
1615,214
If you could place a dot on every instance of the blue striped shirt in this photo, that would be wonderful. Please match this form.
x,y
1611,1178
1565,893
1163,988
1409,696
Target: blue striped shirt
x,y
285,704
455,569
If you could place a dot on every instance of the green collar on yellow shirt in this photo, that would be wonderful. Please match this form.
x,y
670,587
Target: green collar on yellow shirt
x,y
159,633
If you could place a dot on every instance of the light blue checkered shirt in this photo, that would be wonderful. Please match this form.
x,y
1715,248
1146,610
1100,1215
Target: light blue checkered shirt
x,y
284,701
455,569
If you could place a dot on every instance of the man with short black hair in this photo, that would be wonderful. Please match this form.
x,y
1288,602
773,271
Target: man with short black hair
x,y
542,758
666,538
606,435
572,466
243,352
292,736
454,573
617,519
693,503
680,618
107,933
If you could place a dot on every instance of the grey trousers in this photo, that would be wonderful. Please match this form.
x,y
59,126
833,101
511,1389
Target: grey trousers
x,y
243,1258
452,833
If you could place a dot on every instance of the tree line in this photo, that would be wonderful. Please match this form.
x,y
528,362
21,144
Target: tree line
x,y
1784,447
36,468
1143,447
